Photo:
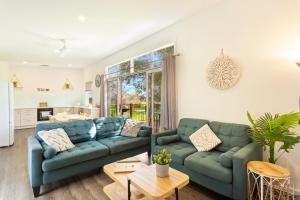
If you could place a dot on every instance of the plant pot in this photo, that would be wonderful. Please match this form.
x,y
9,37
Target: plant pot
x,y
162,170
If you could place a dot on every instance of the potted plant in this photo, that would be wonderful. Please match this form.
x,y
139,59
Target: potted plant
x,y
162,160
267,130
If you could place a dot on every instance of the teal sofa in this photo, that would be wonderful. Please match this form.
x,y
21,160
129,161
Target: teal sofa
x,y
97,142
223,169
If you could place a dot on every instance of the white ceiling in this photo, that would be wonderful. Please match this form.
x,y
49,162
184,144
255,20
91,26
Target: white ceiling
x,y
29,29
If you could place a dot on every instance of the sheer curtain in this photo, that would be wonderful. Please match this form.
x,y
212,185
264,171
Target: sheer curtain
x,y
102,96
168,101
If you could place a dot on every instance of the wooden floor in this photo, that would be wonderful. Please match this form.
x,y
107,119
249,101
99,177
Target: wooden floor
x,y
14,182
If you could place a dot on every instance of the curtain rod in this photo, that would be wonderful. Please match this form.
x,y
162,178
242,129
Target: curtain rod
x,y
175,55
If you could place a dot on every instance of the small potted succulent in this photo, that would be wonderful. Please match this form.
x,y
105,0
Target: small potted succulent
x,y
162,160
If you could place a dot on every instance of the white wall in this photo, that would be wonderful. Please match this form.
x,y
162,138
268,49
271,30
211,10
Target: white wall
x,y
32,78
3,71
262,36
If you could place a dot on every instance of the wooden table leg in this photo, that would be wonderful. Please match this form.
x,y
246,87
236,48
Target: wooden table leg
x,y
176,193
128,189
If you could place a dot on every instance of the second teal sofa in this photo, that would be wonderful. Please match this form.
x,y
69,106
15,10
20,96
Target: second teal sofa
x,y
205,168
90,152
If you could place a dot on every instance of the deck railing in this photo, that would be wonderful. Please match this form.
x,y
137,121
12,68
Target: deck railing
x,y
137,112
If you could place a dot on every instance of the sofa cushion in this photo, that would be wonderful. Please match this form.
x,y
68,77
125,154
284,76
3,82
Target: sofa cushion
x,y
226,157
81,152
108,126
231,135
122,143
207,164
80,131
179,151
188,126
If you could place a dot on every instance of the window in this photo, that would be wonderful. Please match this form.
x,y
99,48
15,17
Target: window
x,y
142,62
134,87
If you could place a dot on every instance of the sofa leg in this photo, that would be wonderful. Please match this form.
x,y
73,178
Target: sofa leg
x,y
149,157
149,154
36,191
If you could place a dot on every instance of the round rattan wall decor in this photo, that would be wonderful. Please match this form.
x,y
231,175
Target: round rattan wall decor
x,y
223,73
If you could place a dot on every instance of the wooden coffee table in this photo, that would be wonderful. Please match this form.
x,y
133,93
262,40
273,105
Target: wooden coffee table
x,y
118,189
153,187
142,183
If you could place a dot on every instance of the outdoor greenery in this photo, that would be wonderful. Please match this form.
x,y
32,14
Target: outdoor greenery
x,y
127,86
267,130
162,157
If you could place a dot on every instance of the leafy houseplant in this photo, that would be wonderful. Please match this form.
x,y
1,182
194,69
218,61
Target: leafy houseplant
x,y
162,160
268,129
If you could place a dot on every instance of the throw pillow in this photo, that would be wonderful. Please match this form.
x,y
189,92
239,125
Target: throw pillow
x,y
131,128
204,139
57,139
226,158
167,139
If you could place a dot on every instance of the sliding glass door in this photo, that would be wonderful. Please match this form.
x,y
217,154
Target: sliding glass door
x,y
133,97
154,99
134,87
112,97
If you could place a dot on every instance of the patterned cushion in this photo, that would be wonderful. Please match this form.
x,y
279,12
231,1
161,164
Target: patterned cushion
x,y
131,128
205,139
188,126
78,131
57,139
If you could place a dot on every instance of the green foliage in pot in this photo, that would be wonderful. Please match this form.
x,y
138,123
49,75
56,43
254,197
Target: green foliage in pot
x,y
162,157
268,130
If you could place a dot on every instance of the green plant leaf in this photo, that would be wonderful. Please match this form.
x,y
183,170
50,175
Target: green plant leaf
x,y
268,129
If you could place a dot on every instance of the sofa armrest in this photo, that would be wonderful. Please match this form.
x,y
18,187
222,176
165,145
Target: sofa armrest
x,y
157,135
252,151
145,131
35,159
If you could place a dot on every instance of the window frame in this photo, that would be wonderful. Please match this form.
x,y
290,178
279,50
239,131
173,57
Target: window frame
x,y
120,77
131,61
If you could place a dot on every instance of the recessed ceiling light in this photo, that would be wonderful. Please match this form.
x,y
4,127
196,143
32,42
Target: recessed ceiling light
x,y
81,18
25,62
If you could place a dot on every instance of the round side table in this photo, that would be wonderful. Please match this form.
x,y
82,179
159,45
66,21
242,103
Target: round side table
x,y
267,181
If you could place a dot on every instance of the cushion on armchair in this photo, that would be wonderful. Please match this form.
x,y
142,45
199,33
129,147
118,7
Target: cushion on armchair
x,y
226,158
168,139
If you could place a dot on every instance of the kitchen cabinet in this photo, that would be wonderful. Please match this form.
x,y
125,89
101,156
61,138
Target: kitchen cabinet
x,y
25,118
